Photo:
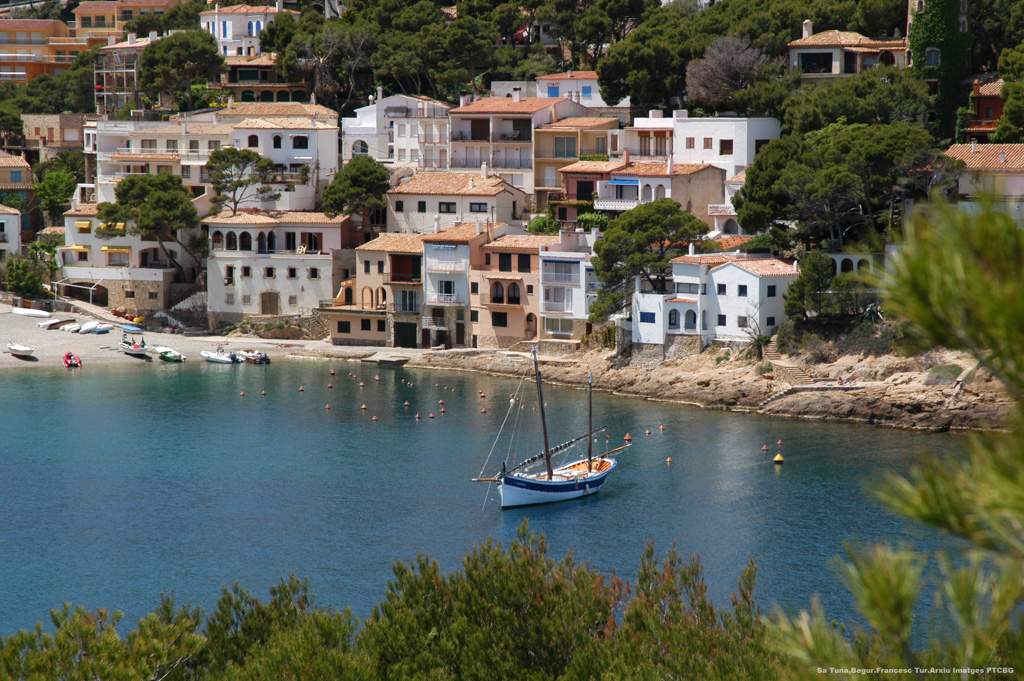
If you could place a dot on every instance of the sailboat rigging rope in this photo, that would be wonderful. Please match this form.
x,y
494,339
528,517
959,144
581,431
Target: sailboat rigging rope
x,y
511,406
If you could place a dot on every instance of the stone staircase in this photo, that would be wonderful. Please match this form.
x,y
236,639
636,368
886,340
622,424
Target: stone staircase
x,y
783,370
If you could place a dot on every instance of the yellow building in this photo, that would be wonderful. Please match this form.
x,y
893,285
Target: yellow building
x,y
34,47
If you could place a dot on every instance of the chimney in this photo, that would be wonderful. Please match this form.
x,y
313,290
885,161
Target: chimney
x,y
808,28
974,146
231,101
625,156
669,167
654,113
152,36
131,38
280,5
692,250
796,265
483,170
471,185
463,99
479,226
437,224
977,87
1002,157
111,40
380,93
568,74
517,94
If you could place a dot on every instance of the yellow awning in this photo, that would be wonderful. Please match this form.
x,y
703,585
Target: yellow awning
x,y
83,225
83,249
117,249
113,225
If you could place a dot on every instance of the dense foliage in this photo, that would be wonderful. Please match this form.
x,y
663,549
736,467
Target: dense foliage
x,y
358,188
237,176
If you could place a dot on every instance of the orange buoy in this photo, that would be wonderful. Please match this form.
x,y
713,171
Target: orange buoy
x,y
512,395
330,385
363,407
376,378
301,389
327,407
628,438
661,427
406,403
668,460
647,432
332,372
417,417
361,384
482,395
440,401
484,410
780,442
442,410
430,416
264,393
446,387
242,394
764,448
374,418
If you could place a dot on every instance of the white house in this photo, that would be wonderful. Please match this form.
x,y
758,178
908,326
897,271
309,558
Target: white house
x,y
275,262
580,86
237,27
835,54
568,285
427,199
725,221
718,297
727,142
10,230
399,130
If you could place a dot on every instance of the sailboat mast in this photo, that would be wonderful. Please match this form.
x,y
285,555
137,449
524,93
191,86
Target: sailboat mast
x,y
590,419
543,420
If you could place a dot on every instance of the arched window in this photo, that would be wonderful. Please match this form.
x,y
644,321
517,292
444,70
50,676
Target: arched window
x,y
271,242
250,28
673,319
248,96
245,242
259,27
218,241
367,298
283,96
277,141
645,195
232,242
730,227
382,298
513,293
847,265
659,191
254,141
863,264
360,148
691,320
497,293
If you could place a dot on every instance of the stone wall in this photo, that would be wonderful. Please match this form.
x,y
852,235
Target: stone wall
x,y
356,341
647,353
141,301
679,346
315,325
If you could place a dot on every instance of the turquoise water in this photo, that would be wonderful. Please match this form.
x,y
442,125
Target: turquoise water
x,y
119,483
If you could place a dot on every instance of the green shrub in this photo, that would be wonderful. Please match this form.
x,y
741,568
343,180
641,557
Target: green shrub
x,y
721,358
944,374
869,338
762,369
818,351
788,337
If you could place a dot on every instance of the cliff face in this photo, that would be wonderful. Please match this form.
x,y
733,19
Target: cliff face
x,y
888,390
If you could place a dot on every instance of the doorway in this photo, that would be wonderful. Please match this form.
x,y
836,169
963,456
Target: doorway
x,y
270,302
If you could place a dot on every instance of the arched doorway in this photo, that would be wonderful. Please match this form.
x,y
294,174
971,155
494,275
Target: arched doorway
x,y
847,265
261,243
245,242
267,96
349,295
659,191
530,329
270,302
730,227
367,298
498,293
690,321
283,96
232,242
382,298
645,195
217,241
271,242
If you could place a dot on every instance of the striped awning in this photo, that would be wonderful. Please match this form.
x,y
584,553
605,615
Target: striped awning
x,y
511,277
117,249
83,225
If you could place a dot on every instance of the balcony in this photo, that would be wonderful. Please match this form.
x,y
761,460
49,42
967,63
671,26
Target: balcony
x,y
397,278
641,154
433,164
416,112
554,197
152,152
564,278
557,306
616,204
488,300
433,323
445,299
433,138
514,137
470,137
447,265
467,161
512,163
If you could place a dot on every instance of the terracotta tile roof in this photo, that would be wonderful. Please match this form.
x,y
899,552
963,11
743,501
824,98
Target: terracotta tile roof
x,y
12,161
276,109
463,233
692,301
274,217
84,210
247,9
846,39
987,156
659,169
991,89
594,166
451,184
731,241
765,267
273,123
139,44
521,242
739,178
7,210
507,105
30,24
95,7
711,259
571,75
451,12
392,242
266,59
582,122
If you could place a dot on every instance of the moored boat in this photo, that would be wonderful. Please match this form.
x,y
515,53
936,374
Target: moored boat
x,y
103,328
49,323
19,350
168,354
254,356
71,361
537,481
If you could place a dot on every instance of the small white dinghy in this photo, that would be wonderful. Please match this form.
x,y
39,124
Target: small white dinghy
x,y
19,350
49,323
219,357
30,312
88,327
70,327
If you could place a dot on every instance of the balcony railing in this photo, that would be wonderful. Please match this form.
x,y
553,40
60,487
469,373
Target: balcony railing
x,y
433,163
570,278
416,112
487,299
134,151
432,138
467,161
557,306
616,204
447,265
470,137
638,153
563,196
433,323
512,163
404,279
514,137
445,299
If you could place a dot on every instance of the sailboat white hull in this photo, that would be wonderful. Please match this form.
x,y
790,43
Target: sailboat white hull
x,y
570,481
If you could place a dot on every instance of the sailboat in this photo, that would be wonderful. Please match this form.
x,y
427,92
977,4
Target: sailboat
x,y
537,481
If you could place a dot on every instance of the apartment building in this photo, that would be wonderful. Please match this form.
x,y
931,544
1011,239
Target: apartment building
x,y
16,178
98,22
427,200
10,231
237,27
116,74
255,78
727,142
562,143
399,130
36,47
568,286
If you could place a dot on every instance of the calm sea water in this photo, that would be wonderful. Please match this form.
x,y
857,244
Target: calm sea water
x,y
119,483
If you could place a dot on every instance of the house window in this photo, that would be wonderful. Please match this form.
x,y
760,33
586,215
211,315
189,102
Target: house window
x,y
399,206
725,147
15,176
499,319
186,172
300,142
742,290
193,146
552,90
380,267
344,327
504,262
117,259
647,317
673,319
474,316
277,141
366,267
721,289
291,272
129,294
933,87
487,258
741,322
380,325
293,300
721,320
364,324
565,147
474,287
524,262
708,143
254,141
229,299
421,206
771,291
770,321
446,207
82,256
268,272
932,57
246,271
314,272
213,145
690,142
478,208
246,300
529,289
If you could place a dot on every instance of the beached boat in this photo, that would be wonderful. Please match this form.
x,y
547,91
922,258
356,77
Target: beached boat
x,y
219,357
88,327
168,354
136,347
103,328
59,324
536,480
49,323
19,350
30,312
71,361
254,356
71,328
